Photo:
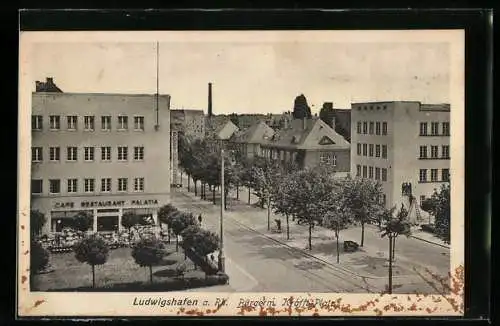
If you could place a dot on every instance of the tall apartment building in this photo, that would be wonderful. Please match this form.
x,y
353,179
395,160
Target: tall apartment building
x,y
402,143
106,154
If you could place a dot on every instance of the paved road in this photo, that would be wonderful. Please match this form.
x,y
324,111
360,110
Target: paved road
x,y
256,263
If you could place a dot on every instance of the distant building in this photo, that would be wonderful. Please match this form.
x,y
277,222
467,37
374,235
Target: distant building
x,y
189,122
47,87
308,142
279,121
245,121
220,128
248,142
341,120
401,143
105,154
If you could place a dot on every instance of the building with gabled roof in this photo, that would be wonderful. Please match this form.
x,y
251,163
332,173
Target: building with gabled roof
x,y
248,141
222,129
308,142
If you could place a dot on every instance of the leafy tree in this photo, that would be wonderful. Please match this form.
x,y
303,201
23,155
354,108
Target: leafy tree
x,y
361,198
393,227
337,218
180,222
186,156
439,206
165,214
301,109
148,252
92,250
265,179
39,257
283,197
327,114
206,242
189,236
83,221
37,221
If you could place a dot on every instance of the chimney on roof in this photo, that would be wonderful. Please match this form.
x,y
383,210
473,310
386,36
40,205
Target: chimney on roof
x,y
328,105
209,100
50,81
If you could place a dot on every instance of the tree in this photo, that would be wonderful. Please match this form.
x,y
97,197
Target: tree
x,y
338,218
129,220
37,221
266,178
83,221
283,197
439,206
148,252
39,257
206,242
393,227
165,214
189,236
92,250
361,199
301,109
180,222
327,114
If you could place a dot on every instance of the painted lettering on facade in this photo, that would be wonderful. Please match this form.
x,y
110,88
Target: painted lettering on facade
x,y
107,203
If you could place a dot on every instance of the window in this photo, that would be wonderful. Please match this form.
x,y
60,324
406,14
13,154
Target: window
x,y
423,151
359,127
434,128
106,153
423,175
377,173
138,184
36,186
72,185
72,154
384,196
377,128
54,186
445,151
106,122
72,122
139,123
359,148
370,152
89,123
384,174
384,128
365,149
122,184
36,154
55,154
365,127
422,199
371,128
89,185
445,175
370,172
358,170
105,184
122,153
139,153
36,122
434,152
122,122
364,171
446,128
434,175
384,151
377,150
423,128
89,153
55,122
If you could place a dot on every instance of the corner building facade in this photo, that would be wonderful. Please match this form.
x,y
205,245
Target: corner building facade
x,y
106,154
400,143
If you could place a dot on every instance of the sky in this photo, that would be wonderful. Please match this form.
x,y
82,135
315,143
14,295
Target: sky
x,y
250,76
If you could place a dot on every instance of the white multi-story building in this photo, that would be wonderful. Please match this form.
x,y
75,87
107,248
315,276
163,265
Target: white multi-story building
x,y
402,143
101,153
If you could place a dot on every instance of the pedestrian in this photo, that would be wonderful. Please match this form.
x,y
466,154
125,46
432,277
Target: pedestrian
x,y
199,218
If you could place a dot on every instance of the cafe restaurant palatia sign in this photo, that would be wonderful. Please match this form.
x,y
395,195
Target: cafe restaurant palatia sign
x,y
106,203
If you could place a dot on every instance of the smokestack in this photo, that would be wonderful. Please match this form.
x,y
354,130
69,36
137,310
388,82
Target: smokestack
x,y
209,100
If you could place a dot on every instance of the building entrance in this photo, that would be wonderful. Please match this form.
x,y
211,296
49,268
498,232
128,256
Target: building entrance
x,y
107,223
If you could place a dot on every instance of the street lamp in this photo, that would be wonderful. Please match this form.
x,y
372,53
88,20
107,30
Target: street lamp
x,y
221,249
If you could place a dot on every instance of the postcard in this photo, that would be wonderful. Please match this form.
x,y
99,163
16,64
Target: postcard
x,y
241,173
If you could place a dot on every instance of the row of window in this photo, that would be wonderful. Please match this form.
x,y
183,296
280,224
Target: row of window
x,y
445,129
445,152
328,158
445,175
88,122
88,153
372,128
371,172
89,185
372,150
371,107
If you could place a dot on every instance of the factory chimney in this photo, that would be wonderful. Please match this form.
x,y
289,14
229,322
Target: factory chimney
x,y
210,100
